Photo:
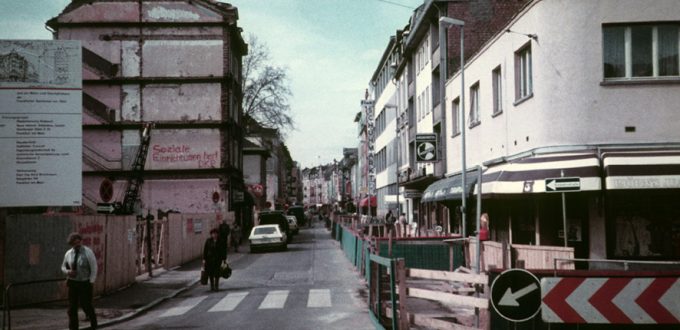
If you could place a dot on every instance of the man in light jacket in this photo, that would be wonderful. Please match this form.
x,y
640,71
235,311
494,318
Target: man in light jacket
x,y
80,267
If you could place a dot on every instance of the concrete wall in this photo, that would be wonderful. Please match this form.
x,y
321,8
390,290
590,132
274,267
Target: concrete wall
x,y
569,106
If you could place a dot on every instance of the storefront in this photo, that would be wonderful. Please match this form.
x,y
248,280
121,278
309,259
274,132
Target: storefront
x,y
643,204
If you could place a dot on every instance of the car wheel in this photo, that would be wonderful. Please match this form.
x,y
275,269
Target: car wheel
x,y
253,249
285,247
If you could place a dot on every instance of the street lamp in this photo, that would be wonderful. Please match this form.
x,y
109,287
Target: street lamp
x,y
443,23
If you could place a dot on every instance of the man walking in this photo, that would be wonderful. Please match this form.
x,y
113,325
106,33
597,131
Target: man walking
x,y
80,267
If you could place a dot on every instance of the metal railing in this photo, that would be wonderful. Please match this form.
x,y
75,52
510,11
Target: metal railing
x,y
624,263
7,307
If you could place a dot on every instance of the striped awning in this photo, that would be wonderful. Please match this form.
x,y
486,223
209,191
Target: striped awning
x,y
449,188
529,175
642,169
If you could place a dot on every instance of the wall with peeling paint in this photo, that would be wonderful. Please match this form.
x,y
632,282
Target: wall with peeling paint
x,y
142,69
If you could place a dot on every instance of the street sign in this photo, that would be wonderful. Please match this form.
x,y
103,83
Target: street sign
x,y
615,300
426,147
105,208
562,184
516,295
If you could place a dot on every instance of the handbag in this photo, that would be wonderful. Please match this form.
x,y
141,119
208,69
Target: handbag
x,y
225,270
204,277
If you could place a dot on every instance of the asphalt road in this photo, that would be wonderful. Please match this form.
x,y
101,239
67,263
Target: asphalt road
x,y
310,286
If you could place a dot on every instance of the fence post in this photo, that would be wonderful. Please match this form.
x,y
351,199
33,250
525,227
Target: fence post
x,y
393,294
404,321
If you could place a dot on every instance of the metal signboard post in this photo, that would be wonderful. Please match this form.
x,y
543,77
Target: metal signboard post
x,y
516,295
563,185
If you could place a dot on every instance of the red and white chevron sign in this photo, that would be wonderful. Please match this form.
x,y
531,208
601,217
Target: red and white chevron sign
x,y
611,300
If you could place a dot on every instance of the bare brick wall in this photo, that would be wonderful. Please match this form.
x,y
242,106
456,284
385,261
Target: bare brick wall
x,y
483,19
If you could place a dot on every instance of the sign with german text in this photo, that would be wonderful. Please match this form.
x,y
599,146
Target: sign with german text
x,y
562,184
40,123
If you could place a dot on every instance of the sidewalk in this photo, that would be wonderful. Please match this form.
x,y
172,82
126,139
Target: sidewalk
x,y
119,306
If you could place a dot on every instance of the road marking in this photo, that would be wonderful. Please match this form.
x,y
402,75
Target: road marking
x,y
229,302
184,307
274,299
319,298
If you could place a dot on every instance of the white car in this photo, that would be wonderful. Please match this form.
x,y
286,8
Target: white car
x,y
292,223
267,236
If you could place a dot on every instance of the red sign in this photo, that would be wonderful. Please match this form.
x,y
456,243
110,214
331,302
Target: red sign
x,y
605,300
106,190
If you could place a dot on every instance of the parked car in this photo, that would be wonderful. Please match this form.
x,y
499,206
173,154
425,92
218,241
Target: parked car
x,y
299,213
292,223
267,236
276,218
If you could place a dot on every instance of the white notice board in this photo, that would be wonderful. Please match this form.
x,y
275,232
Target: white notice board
x,y
40,123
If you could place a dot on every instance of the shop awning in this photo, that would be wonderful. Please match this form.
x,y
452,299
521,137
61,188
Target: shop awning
x,y
449,188
530,174
364,202
650,169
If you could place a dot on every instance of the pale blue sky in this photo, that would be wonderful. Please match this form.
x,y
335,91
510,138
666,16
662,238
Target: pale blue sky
x,y
330,47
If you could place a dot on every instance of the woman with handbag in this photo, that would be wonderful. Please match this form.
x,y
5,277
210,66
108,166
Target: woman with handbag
x,y
212,259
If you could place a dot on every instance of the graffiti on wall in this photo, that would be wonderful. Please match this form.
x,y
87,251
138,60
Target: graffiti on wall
x,y
93,237
182,153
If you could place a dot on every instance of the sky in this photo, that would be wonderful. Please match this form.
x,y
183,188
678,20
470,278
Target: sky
x,y
330,48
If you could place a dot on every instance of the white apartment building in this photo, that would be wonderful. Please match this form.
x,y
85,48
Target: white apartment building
x,y
587,90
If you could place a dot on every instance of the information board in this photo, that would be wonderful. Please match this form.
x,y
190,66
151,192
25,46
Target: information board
x,y
40,123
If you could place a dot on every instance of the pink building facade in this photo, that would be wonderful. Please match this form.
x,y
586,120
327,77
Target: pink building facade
x,y
178,65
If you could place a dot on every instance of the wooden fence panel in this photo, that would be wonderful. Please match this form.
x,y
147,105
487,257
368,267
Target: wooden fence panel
x,y
121,252
542,257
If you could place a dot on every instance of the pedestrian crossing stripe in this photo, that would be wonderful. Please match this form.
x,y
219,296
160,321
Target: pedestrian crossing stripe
x,y
184,307
276,299
319,298
229,303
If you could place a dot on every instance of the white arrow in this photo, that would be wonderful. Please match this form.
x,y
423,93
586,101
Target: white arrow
x,y
552,184
510,299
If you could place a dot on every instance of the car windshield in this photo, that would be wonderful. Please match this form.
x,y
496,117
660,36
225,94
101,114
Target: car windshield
x,y
265,231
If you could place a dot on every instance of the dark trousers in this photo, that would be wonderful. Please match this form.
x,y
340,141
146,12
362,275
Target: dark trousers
x,y
80,294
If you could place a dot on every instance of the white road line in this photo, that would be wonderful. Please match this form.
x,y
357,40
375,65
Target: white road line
x,y
319,298
274,299
229,302
184,307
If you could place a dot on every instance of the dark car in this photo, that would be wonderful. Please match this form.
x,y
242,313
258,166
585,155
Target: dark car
x,y
299,213
276,218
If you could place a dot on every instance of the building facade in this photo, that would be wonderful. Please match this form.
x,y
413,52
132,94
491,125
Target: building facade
x,y
140,67
591,110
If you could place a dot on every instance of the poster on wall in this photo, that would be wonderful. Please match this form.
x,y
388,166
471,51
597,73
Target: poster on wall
x,y
40,123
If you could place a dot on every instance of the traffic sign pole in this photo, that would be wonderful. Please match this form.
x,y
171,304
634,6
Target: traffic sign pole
x,y
564,215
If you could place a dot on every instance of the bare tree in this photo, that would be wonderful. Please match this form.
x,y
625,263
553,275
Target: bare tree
x,y
266,89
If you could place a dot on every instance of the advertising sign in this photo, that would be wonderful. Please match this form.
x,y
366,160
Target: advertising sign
x,y
368,108
40,123
426,147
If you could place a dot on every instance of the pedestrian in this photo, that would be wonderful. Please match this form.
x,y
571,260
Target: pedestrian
x,y
389,216
212,259
404,223
80,267
236,236
223,238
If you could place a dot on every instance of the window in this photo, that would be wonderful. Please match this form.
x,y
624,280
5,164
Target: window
x,y
643,50
497,82
474,105
455,116
523,81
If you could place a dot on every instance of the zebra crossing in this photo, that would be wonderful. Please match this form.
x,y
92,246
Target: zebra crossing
x,y
273,299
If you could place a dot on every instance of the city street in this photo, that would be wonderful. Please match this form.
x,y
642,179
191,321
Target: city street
x,y
309,286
